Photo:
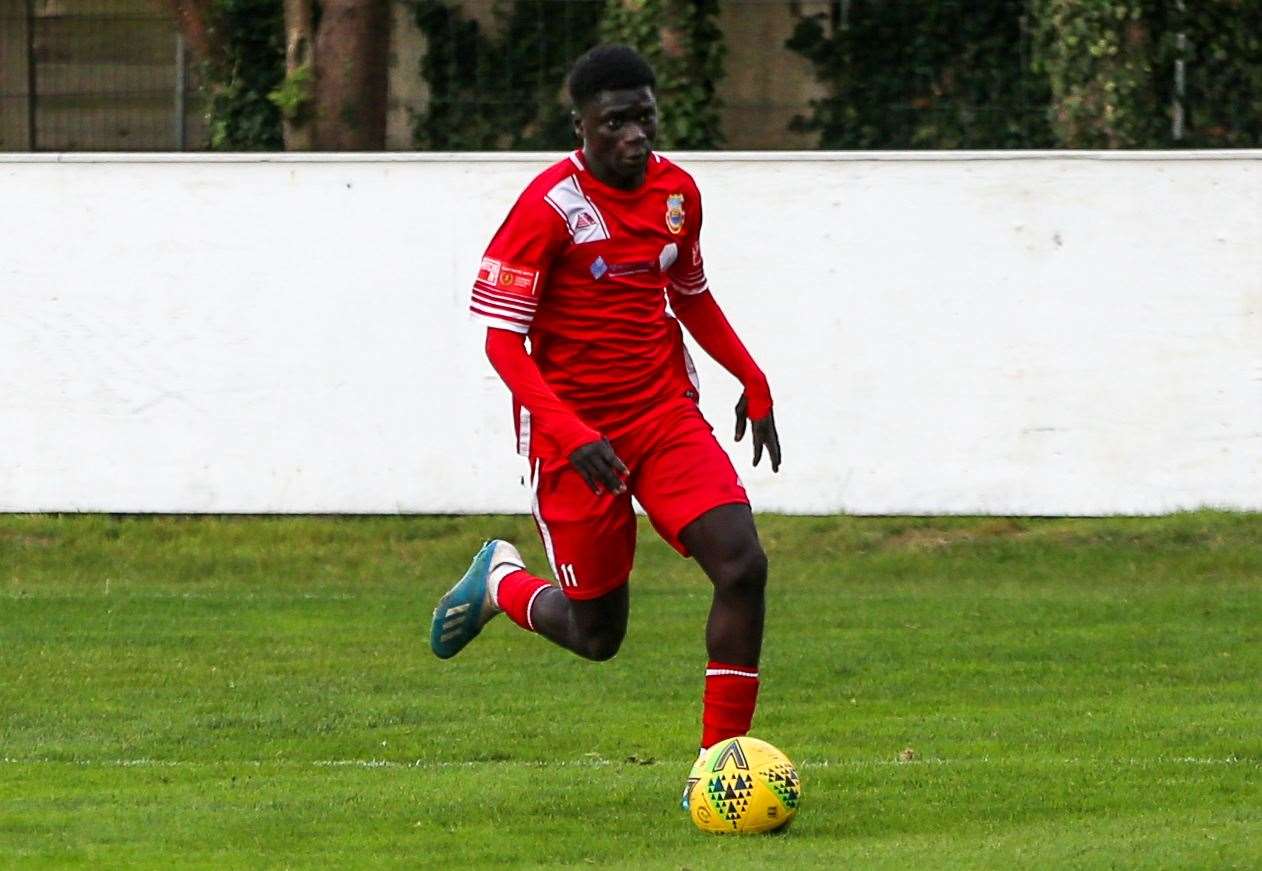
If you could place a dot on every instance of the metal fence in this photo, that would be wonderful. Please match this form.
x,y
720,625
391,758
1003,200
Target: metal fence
x,y
493,60
94,75
113,75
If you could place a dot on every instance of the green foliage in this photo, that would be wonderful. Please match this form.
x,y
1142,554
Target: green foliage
x,y
913,74
683,42
503,86
1100,58
1112,65
249,68
1224,71
293,97
923,74
1034,73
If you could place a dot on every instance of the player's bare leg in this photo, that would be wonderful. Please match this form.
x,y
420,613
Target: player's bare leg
x,y
724,542
497,581
592,628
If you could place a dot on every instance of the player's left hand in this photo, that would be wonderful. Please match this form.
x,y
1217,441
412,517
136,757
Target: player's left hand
x,y
762,433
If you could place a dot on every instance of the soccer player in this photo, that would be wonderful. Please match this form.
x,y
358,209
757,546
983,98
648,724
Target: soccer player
x,y
606,397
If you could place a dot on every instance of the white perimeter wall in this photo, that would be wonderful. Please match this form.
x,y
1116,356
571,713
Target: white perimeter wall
x,y
951,333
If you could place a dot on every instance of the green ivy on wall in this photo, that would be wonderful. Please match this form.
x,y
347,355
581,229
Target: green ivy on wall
x,y
1035,73
923,74
1113,66
502,86
1222,53
251,38
1101,59
912,74
683,42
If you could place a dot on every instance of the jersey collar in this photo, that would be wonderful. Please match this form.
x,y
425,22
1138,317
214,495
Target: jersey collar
x,y
579,161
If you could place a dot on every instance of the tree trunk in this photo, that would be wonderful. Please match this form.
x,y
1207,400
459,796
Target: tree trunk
x,y
347,61
298,130
350,86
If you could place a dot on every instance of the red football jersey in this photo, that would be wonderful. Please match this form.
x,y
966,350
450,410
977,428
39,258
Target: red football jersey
x,y
583,269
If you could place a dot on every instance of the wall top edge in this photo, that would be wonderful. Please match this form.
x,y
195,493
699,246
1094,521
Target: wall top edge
x,y
689,156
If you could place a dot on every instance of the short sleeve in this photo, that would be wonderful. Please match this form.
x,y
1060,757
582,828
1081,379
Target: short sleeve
x,y
687,274
515,266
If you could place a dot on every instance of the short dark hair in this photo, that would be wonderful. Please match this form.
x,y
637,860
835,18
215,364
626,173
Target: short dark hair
x,y
608,67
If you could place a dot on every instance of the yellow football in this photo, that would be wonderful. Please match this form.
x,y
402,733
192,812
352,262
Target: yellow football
x,y
743,785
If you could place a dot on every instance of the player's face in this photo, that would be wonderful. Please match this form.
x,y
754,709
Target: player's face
x,y
618,129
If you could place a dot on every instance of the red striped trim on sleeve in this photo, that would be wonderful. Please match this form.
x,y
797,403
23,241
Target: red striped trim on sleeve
x,y
509,301
506,311
690,288
503,295
690,281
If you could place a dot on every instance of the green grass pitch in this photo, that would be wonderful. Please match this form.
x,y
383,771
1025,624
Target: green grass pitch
x,y
957,693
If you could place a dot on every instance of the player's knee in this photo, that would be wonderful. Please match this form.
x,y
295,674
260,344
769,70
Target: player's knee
x,y
599,625
601,646
744,570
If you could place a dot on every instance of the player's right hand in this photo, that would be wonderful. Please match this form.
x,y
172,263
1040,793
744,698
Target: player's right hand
x,y
600,467
763,433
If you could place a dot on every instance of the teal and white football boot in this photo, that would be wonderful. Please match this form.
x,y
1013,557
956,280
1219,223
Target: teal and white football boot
x,y
470,604
693,776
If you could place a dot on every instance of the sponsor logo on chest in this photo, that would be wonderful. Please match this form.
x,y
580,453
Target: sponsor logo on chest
x,y
665,259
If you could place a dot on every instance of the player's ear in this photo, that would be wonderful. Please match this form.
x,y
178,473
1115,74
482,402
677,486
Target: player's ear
x,y
577,120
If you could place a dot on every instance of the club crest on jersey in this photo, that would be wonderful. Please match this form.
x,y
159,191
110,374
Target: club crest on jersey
x,y
675,213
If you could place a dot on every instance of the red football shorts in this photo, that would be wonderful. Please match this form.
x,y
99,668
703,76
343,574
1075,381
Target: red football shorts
x,y
678,472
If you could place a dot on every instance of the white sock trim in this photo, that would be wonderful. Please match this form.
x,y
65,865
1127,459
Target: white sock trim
x,y
711,672
498,574
531,604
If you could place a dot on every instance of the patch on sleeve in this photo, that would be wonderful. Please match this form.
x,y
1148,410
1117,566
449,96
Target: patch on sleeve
x,y
505,276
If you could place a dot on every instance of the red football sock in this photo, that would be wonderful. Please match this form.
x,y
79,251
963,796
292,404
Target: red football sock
x,y
517,593
731,691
